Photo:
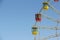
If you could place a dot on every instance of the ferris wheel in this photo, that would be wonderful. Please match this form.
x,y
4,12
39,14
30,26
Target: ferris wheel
x,y
38,18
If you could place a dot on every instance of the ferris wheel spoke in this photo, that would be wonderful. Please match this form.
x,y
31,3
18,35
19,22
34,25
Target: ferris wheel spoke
x,y
51,36
50,28
54,9
50,18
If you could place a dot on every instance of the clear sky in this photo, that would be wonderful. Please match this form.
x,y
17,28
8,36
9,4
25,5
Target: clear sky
x,y
17,18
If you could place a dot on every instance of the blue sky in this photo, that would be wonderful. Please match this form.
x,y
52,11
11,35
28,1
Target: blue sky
x,y
17,18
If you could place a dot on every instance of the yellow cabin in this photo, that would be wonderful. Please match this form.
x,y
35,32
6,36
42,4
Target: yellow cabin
x,y
34,30
45,5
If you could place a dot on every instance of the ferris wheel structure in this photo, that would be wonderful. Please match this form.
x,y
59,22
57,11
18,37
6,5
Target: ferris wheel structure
x,y
38,18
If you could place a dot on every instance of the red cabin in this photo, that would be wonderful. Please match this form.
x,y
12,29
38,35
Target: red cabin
x,y
56,0
38,17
